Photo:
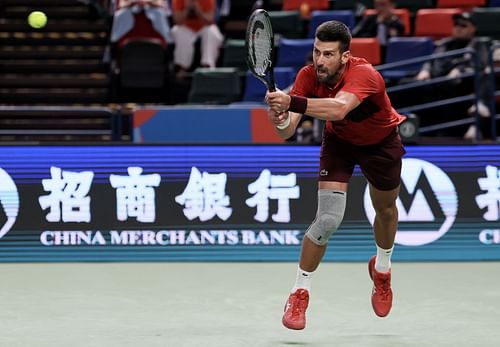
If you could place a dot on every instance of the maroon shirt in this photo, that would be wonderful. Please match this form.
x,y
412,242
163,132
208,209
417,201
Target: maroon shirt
x,y
369,123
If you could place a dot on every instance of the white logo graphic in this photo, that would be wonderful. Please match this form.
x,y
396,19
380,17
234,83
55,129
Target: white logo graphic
x,y
419,210
9,201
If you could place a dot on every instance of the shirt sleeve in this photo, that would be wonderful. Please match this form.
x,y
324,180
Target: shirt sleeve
x,y
304,82
363,81
208,5
177,5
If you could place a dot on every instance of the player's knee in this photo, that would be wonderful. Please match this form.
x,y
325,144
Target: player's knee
x,y
324,226
331,208
387,212
329,222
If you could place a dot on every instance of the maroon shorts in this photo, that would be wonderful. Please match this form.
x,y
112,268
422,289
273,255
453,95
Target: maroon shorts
x,y
380,163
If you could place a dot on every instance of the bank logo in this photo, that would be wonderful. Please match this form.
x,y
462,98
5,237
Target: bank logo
x,y
9,202
427,203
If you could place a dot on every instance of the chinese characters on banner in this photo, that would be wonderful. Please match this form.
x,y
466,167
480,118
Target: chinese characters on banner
x,y
491,199
204,196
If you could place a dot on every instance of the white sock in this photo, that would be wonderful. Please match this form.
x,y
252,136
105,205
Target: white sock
x,y
303,280
383,260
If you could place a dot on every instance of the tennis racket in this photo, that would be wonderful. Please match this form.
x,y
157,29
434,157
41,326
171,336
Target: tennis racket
x,y
260,48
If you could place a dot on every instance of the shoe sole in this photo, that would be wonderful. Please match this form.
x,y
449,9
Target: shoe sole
x,y
292,327
286,325
371,266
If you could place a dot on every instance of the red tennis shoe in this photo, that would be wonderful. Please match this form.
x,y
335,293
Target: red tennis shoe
x,y
295,310
382,292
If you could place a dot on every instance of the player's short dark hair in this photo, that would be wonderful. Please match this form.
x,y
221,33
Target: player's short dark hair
x,y
333,31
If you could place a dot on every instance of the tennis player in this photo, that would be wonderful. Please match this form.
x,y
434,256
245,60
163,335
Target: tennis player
x,y
361,129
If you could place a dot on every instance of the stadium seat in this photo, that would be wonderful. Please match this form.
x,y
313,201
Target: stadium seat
x,y
414,5
402,13
352,5
402,48
293,52
286,24
234,54
368,48
318,17
220,85
437,22
255,90
494,3
142,63
234,25
290,5
487,21
460,3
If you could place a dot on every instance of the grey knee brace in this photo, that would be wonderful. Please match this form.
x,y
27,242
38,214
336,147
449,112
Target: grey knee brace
x,y
331,208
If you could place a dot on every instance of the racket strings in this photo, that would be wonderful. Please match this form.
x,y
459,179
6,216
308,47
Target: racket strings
x,y
261,44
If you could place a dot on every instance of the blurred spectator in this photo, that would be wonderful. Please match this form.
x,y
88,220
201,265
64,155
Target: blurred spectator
x,y
195,19
383,25
223,7
99,7
463,36
124,17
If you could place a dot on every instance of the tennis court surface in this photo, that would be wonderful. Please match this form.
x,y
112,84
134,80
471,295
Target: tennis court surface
x,y
240,304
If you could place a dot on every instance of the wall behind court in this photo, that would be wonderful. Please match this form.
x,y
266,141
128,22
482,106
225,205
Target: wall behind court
x,y
232,203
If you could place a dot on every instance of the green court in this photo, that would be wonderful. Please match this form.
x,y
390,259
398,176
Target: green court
x,y
240,304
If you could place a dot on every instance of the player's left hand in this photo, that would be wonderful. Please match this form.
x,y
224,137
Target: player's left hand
x,y
278,101
277,118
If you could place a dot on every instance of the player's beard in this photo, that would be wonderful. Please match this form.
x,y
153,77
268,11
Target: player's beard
x,y
329,77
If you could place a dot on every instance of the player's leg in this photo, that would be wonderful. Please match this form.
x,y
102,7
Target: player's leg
x,y
379,266
381,165
335,171
385,223
331,207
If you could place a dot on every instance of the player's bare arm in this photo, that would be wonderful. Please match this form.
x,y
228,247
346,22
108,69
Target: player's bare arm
x,y
332,109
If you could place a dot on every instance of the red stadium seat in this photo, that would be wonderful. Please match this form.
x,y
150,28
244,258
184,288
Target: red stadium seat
x,y
402,13
460,3
368,48
290,5
436,23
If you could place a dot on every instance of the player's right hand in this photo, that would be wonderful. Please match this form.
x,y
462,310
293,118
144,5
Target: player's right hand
x,y
277,100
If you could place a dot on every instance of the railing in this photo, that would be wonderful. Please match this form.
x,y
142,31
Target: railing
x,y
493,92
474,97
45,121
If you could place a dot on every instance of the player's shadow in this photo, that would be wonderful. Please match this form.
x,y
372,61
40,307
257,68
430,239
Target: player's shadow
x,y
295,343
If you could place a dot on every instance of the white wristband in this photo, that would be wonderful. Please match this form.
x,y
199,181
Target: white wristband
x,y
285,124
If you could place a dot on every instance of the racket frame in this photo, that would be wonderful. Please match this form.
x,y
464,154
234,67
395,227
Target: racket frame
x,y
269,83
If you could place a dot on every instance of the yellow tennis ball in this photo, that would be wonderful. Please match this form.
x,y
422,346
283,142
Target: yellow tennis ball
x,y
37,19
